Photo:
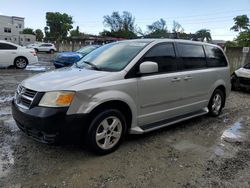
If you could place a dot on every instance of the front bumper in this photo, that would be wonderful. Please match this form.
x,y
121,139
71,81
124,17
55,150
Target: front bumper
x,y
244,82
49,125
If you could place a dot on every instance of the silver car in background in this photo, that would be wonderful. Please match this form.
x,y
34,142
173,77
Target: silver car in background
x,y
133,86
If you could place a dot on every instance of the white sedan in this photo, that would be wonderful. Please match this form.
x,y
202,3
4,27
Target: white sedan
x,y
12,54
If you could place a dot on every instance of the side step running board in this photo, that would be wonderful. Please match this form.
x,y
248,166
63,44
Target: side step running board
x,y
166,122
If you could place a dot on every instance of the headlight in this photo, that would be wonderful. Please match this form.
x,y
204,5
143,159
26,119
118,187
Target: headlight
x,y
57,99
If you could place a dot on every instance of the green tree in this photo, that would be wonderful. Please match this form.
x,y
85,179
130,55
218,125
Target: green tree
x,y
57,25
76,32
122,26
204,34
240,23
231,44
28,31
39,35
243,38
158,29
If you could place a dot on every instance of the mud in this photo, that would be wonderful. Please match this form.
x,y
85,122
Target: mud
x,y
202,152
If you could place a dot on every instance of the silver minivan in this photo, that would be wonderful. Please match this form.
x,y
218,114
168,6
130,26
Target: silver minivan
x,y
132,86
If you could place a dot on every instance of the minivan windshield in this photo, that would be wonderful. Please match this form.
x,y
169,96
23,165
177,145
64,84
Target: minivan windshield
x,y
112,57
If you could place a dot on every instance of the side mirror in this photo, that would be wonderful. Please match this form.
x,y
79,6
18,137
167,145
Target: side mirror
x,y
148,67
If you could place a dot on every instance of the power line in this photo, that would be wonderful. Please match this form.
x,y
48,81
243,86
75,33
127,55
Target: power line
x,y
182,17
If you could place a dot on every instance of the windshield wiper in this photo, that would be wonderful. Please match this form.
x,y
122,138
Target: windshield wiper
x,y
92,65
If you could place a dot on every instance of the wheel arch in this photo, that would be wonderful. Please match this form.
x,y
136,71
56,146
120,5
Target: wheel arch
x,y
115,104
223,89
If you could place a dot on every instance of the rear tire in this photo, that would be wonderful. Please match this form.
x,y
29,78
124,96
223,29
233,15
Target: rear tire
x,y
216,103
106,131
52,51
20,63
36,50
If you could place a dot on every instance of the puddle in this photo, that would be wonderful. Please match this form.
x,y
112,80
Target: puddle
x,y
4,99
6,160
36,68
233,134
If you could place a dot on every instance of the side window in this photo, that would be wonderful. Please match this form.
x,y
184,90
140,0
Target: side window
x,y
215,57
193,56
4,46
164,55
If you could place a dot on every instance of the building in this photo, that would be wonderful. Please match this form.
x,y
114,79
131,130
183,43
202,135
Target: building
x,y
11,28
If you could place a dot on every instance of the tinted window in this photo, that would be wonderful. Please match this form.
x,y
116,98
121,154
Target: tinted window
x,y
4,46
215,57
164,55
193,56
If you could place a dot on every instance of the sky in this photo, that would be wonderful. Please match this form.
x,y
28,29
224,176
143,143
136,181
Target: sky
x,y
216,15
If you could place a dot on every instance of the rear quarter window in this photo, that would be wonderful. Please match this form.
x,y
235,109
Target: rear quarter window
x,y
215,57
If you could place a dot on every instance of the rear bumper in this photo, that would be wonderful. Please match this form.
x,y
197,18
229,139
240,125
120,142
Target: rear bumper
x,y
49,125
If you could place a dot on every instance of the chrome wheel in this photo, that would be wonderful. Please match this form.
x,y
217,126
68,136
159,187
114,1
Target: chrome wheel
x,y
21,63
108,132
217,103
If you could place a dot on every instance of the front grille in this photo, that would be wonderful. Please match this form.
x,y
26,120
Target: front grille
x,y
245,81
24,97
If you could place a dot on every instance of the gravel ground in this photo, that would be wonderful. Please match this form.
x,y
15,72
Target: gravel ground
x,y
202,152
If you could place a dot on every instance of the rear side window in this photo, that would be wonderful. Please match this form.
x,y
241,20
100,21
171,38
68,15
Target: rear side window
x,y
4,46
193,56
215,57
164,55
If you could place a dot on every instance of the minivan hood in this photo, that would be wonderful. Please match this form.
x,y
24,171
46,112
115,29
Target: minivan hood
x,y
61,79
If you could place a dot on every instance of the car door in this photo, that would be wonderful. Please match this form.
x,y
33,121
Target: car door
x,y
159,94
7,54
43,47
197,79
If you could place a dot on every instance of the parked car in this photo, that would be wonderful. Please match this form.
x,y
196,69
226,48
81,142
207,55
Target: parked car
x,y
133,86
44,47
12,54
66,59
241,78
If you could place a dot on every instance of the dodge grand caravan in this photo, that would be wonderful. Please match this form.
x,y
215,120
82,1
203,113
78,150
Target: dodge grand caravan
x,y
133,86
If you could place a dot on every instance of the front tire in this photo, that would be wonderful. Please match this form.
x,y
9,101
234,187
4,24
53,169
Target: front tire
x,y
20,63
52,51
106,131
216,103
235,83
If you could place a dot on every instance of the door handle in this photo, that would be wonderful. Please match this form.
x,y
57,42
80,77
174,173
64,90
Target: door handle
x,y
188,78
176,79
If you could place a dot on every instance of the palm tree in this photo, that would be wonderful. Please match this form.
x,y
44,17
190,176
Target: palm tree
x,y
241,22
204,34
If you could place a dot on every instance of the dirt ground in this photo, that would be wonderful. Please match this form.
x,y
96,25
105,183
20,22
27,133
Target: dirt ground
x,y
202,152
